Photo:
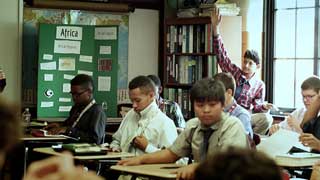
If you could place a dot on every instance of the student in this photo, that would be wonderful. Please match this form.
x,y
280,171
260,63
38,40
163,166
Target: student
x,y
212,131
231,105
250,91
145,128
86,120
238,164
170,108
10,131
309,89
3,82
58,168
311,126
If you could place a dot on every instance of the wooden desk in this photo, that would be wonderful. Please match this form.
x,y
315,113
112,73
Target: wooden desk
x,y
109,155
29,137
30,141
159,171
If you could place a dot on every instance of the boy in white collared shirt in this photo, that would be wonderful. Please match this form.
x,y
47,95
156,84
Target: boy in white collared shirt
x,y
145,128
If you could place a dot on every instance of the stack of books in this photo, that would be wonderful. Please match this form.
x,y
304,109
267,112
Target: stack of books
x,y
226,9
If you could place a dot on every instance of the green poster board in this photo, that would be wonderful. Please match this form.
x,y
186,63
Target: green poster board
x,y
68,50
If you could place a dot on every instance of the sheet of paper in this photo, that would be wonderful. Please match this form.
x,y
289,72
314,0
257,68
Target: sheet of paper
x,y
84,58
104,64
105,33
64,108
89,73
66,87
105,50
67,64
47,56
48,77
280,143
104,83
46,104
64,99
48,66
67,47
69,32
68,76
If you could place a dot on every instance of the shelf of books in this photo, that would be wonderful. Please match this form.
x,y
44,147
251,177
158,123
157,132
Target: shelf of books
x,y
188,58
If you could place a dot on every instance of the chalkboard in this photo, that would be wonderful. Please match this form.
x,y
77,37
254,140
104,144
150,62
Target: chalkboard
x,y
68,50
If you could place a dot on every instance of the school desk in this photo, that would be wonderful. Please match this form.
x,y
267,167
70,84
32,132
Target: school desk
x,y
154,171
108,155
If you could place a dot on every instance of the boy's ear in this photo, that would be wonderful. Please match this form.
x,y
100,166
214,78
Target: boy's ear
x,y
258,66
229,91
160,89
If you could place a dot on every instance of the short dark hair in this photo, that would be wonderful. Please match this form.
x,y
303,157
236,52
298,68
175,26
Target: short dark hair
x,y
207,89
252,54
227,80
311,83
238,164
145,84
155,79
83,80
10,130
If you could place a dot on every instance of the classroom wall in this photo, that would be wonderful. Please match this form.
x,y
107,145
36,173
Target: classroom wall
x,y
10,42
143,43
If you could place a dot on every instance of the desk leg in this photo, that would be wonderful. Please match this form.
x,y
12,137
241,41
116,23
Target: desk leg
x,y
26,150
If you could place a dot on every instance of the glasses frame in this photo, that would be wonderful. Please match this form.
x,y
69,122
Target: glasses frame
x,y
78,94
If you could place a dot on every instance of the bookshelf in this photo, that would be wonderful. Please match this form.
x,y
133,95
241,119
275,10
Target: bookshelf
x,y
188,57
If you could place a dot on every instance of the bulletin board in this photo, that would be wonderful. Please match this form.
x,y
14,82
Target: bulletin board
x,y
68,50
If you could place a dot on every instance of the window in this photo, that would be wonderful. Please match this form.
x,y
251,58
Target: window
x,y
296,49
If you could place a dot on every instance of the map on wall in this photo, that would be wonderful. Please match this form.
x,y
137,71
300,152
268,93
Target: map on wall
x,y
31,19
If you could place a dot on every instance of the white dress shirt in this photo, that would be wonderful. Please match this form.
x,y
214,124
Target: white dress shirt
x,y
153,124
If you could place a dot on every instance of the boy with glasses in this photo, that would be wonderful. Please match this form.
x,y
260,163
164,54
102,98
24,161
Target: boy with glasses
x,y
250,90
311,123
86,120
309,89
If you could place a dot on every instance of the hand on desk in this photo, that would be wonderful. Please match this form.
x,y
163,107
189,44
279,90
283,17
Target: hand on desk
x,y
187,172
58,168
274,128
130,161
58,130
310,141
55,128
140,142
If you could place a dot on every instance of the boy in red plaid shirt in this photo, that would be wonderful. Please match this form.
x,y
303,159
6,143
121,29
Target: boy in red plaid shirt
x,y
250,90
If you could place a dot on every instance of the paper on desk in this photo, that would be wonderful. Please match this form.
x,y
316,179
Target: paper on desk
x,y
280,143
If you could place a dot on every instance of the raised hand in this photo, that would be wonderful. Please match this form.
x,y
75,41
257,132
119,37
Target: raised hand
x,y
215,21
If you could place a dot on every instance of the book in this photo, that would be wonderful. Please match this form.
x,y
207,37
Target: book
x,y
297,159
83,148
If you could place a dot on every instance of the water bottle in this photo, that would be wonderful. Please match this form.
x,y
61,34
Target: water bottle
x,y
26,117
104,106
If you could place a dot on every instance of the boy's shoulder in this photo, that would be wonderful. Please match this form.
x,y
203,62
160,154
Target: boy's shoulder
x,y
228,120
192,123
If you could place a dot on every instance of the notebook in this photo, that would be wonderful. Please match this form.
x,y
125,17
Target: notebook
x,y
297,159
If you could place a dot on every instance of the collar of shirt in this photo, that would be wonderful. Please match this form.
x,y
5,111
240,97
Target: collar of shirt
x,y
151,108
231,106
251,80
216,125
